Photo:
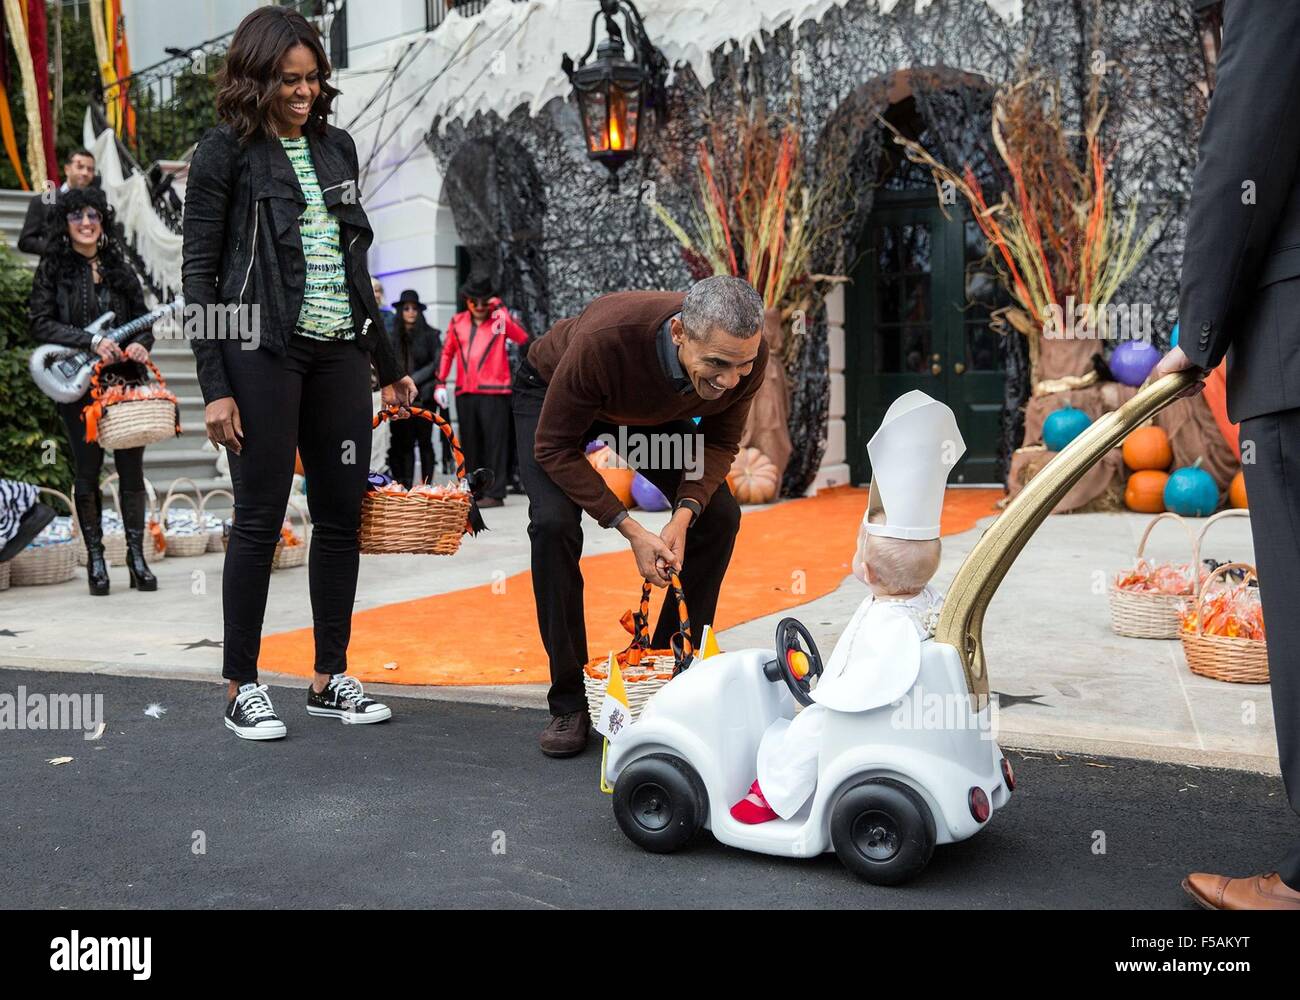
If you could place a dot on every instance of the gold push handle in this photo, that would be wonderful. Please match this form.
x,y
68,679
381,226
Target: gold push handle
x,y
961,622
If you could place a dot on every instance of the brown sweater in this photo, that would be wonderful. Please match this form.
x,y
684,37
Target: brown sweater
x,y
603,364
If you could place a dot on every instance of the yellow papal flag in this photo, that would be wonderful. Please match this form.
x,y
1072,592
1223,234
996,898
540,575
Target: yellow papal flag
x,y
615,713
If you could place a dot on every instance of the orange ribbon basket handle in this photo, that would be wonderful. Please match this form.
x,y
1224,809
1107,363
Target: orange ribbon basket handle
x,y
419,411
641,632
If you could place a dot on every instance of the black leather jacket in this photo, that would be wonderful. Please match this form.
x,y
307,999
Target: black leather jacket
x,y
242,246
65,300
418,351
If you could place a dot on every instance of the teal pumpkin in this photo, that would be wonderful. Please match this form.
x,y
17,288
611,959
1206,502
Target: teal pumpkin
x,y
1063,426
1191,492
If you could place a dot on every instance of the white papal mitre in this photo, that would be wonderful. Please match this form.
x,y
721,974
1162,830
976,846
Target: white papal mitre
x,y
912,453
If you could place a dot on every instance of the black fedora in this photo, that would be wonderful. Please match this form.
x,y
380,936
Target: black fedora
x,y
410,297
478,286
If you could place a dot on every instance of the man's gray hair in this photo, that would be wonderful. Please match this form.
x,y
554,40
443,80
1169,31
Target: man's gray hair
x,y
725,303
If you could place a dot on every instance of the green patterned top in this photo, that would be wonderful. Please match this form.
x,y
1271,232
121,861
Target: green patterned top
x,y
326,311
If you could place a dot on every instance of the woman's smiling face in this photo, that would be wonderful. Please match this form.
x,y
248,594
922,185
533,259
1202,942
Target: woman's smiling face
x,y
85,228
299,88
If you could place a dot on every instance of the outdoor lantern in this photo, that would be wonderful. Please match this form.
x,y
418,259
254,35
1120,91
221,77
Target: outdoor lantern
x,y
614,91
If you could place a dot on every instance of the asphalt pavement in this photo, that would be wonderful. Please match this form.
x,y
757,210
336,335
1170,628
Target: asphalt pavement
x,y
452,805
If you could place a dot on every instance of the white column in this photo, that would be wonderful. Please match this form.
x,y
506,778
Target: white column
x,y
834,468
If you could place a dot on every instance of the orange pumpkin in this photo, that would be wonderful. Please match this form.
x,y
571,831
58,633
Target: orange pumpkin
x,y
1148,448
620,482
1145,492
1237,491
755,477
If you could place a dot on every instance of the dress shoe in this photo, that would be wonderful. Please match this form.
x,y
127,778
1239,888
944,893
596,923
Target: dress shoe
x,y
565,735
491,502
1256,892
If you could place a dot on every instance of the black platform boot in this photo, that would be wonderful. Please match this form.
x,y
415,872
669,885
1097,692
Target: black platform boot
x,y
133,509
90,518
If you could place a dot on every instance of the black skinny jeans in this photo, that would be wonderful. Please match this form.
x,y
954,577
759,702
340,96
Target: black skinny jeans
x,y
316,398
88,458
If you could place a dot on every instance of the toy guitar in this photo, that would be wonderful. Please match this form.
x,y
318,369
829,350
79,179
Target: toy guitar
x,y
63,373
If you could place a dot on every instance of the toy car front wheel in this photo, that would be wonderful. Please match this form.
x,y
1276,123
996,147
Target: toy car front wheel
x,y
659,802
882,831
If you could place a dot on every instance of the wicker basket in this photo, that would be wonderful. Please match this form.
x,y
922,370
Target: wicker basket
x,y
184,545
1223,657
130,423
4,576
216,539
55,563
1145,615
394,523
291,556
644,670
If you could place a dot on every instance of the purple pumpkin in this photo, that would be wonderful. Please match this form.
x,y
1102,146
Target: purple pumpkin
x,y
647,495
1131,362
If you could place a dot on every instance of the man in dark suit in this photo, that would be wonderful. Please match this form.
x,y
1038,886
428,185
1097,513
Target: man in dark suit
x,y
1241,298
78,172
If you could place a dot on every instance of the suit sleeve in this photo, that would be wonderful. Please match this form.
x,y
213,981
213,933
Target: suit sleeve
x,y
1249,153
203,228
32,237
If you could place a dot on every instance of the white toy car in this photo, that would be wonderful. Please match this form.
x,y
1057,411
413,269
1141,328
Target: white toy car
x,y
889,788
887,791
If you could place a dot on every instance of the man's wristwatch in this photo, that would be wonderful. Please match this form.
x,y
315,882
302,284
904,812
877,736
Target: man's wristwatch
x,y
691,505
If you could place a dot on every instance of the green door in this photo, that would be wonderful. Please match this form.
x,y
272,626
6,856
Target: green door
x,y
917,318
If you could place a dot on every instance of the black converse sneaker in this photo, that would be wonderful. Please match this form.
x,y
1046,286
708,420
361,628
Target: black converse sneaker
x,y
343,699
251,716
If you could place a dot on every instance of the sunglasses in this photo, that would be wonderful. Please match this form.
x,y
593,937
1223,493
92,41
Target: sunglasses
x,y
475,301
89,214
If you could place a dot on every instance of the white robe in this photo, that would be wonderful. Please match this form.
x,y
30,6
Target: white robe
x,y
874,663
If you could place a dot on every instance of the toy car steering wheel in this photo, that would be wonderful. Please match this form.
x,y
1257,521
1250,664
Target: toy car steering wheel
x,y
797,667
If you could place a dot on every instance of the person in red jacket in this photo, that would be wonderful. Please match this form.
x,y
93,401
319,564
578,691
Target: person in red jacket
x,y
476,341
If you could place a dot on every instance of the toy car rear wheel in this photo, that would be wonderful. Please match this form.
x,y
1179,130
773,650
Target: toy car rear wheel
x,y
659,802
882,831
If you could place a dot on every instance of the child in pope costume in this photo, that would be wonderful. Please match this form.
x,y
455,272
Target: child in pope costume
x,y
878,657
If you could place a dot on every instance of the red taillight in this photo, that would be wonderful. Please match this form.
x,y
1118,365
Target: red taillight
x,y
1008,775
979,805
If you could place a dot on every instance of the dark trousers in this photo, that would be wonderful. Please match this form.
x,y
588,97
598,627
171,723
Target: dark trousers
x,y
88,459
485,435
1273,485
555,532
316,399
405,437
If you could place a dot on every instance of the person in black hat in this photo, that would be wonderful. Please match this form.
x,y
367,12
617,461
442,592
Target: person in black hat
x,y
476,341
415,343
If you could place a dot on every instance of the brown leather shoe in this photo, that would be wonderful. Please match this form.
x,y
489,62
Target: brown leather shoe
x,y
565,735
1258,892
